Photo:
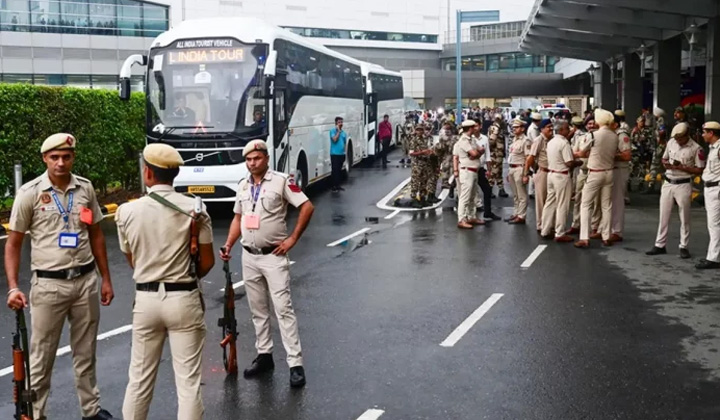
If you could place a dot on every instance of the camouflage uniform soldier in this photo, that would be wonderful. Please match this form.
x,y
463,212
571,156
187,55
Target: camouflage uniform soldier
x,y
656,166
443,150
407,133
642,141
496,133
420,153
433,168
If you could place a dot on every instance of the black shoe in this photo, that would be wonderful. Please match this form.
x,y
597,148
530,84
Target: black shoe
x,y
502,193
657,251
452,193
341,189
532,196
434,199
297,377
101,415
480,209
262,363
402,161
416,204
492,216
684,253
705,265
493,196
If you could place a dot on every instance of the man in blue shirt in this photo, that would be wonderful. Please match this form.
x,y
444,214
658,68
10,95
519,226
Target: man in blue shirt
x,y
338,138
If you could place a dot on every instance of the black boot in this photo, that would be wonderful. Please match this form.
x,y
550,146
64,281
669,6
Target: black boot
x,y
262,363
297,377
502,193
101,415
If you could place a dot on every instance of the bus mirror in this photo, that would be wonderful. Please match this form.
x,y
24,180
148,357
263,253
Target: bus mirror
x,y
270,64
124,89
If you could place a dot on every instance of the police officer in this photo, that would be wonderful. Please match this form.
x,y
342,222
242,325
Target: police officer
x,y
61,213
497,146
519,151
154,234
533,131
560,165
538,155
408,131
621,174
683,160
468,164
601,151
711,178
260,211
582,174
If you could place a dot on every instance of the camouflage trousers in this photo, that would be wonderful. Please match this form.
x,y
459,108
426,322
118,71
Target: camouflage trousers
x,y
419,177
446,170
655,170
405,141
497,155
432,176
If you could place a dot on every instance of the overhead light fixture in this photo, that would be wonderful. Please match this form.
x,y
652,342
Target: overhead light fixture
x,y
642,53
611,63
692,38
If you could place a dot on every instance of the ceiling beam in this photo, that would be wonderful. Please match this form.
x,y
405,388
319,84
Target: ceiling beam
x,y
547,32
585,46
695,8
615,14
600,27
533,48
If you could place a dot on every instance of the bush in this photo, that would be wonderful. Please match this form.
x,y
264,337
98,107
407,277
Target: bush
x,y
110,132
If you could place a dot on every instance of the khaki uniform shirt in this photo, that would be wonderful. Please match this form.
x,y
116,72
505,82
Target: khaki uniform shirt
x,y
712,169
577,136
603,145
581,144
158,237
533,131
519,150
689,155
271,206
35,211
624,144
559,152
539,150
464,145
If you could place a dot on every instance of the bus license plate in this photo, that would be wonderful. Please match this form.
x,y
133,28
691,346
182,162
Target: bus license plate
x,y
201,189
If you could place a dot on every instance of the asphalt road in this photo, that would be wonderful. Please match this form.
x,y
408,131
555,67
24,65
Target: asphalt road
x,y
598,334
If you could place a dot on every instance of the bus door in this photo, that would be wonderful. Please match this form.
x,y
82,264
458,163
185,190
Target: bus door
x,y
281,134
373,146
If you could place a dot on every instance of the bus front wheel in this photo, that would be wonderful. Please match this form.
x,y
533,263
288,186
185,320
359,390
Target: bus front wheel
x,y
301,173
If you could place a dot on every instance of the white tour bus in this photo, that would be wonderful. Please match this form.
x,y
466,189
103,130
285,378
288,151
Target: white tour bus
x,y
215,84
383,96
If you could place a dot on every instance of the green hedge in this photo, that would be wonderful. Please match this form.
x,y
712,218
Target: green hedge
x,y
110,132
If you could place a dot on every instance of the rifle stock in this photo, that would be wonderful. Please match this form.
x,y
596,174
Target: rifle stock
x,y
23,395
228,323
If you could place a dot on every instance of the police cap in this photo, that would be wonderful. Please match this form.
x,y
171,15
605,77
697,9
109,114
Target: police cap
x,y
254,145
59,141
162,156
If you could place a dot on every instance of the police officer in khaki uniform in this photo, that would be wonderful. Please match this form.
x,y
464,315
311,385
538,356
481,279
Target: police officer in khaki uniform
x,y
601,151
533,131
683,160
519,151
61,213
260,211
154,234
560,166
582,174
538,154
468,166
621,174
711,178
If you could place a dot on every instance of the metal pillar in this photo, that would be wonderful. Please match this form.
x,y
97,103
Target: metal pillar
x,y
666,77
632,87
605,92
458,66
17,172
712,71
141,167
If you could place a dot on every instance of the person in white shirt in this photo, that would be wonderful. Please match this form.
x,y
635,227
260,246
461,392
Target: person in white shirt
x,y
711,178
484,143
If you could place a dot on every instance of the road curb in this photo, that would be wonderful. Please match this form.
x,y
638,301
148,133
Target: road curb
x,y
4,228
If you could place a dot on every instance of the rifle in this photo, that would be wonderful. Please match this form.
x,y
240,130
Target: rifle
x,y
194,236
23,395
228,323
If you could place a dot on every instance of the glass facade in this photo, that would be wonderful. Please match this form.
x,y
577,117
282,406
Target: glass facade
x,y
74,80
92,17
516,62
362,35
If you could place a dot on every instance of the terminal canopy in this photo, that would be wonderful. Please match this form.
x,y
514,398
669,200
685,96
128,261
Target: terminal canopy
x,y
600,30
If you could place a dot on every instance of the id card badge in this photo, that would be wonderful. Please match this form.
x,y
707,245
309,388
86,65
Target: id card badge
x,y
252,221
68,240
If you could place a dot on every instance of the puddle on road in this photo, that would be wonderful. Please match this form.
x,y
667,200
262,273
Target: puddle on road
x,y
354,243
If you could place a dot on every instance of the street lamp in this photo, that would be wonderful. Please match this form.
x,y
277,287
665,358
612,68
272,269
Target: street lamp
x,y
642,53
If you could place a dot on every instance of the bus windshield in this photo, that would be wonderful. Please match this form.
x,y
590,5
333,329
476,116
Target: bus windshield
x,y
207,86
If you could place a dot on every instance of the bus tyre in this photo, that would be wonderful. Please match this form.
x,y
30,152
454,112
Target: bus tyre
x,y
349,159
301,173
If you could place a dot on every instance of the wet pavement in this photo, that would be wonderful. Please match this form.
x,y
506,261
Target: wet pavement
x,y
597,334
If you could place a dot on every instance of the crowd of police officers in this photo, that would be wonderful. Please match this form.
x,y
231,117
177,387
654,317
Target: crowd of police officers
x,y
167,237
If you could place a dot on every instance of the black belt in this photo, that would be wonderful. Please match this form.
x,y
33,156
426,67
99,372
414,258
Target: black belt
x,y
67,274
678,181
260,251
712,184
154,286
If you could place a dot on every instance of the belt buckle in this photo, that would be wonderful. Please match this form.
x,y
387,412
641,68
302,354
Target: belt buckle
x,y
72,273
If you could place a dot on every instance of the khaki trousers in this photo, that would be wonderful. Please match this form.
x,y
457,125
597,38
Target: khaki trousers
x,y
270,275
712,205
51,302
468,194
519,190
598,184
579,185
180,317
540,195
620,180
557,206
670,194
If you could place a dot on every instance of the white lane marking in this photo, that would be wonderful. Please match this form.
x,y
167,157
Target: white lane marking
x,y
352,235
391,215
535,254
382,204
474,317
372,414
65,350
